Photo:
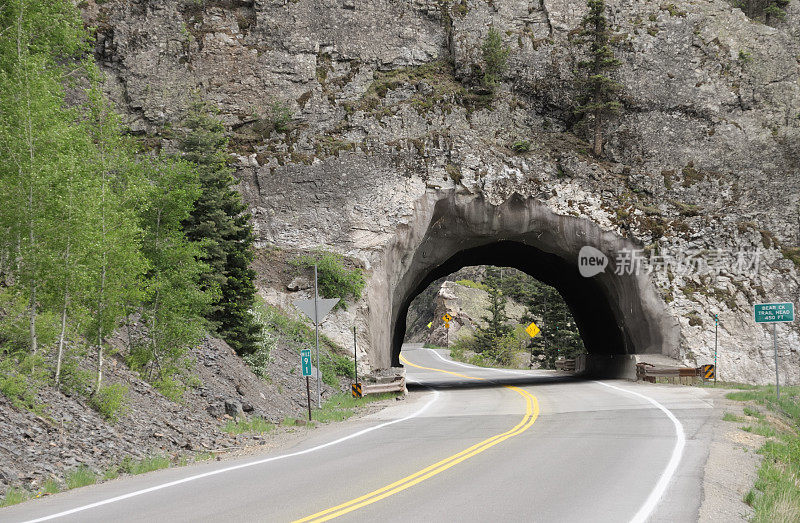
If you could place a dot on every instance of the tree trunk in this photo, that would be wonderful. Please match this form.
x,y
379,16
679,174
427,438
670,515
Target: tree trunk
x,y
598,133
61,336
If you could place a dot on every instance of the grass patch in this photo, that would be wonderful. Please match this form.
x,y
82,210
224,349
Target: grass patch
x,y
150,464
749,411
727,385
343,405
14,496
775,495
203,456
256,425
80,477
473,285
729,416
51,486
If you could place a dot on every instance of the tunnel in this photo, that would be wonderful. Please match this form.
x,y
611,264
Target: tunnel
x,y
618,315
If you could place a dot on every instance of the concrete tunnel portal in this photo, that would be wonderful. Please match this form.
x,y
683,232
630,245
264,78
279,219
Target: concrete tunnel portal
x,y
617,315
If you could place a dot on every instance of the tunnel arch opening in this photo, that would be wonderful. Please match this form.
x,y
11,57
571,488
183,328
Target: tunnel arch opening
x,y
586,300
618,315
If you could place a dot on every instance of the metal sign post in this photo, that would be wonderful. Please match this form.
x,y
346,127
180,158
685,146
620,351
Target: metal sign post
x,y
775,346
774,313
316,335
716,328
355,354
305,364
316,309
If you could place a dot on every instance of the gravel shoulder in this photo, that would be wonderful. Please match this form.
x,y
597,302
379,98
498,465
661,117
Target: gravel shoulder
x,y
732,466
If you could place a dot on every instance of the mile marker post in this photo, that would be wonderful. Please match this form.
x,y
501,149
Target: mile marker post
x,y
308,395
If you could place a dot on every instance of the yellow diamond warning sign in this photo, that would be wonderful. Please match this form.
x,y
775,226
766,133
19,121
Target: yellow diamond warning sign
x,y
532,330
447,318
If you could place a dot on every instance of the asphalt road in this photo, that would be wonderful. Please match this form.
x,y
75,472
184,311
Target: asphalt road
x,y
469,444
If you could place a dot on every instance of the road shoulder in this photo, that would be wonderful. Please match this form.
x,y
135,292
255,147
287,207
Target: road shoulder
x,y
732,465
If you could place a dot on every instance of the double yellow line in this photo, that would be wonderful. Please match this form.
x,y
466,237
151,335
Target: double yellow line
x,y
531,413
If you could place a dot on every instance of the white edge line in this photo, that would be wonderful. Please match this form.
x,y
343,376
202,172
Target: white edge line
x,y
677,452
236,467
454,362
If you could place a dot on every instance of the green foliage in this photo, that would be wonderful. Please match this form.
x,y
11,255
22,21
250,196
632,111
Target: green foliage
x,y
343,405
147,464
111,401
51,486
14,496
495,56
560,336
521,146
219,222
281,116
473,285
766,10
259,359
255,425
728,416
775,496
80,477
174,301
598,92
335,280
21,377
490,335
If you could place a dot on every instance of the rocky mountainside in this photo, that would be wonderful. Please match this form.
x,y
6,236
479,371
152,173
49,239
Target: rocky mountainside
x,y
69,433
353,119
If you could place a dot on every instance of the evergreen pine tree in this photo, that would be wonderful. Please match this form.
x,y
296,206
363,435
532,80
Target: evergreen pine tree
x,y
489,335
599,92
219,223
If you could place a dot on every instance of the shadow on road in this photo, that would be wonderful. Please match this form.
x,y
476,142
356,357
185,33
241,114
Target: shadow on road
x,y
518,381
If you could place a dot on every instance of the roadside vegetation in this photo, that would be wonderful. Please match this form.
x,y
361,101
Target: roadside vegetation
x,y
499,343
98,230
343,405
335,279
775,497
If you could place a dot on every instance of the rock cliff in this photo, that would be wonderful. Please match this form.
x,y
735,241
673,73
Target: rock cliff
x,y
358,124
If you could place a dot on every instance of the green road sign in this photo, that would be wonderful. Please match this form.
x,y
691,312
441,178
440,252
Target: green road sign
x,y
773,312
305,361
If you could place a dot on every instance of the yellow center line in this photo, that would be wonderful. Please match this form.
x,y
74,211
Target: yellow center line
x,y
531,413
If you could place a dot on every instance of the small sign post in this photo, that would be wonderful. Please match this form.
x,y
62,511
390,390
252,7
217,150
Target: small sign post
x,y
316,309
532,330
447,319
774,313
716,339
305,364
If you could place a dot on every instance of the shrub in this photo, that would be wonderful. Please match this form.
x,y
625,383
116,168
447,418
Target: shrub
x,y
20,381
260,358
472,284
521,146
495,55
111,401
335,280
281,116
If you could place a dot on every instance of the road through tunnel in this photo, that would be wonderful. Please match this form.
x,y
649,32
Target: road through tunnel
x,y
618,315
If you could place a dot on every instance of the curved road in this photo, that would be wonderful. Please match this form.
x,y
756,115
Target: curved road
x,y
469,444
